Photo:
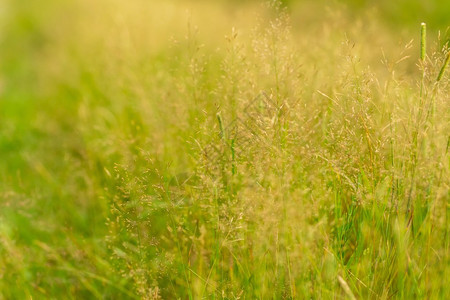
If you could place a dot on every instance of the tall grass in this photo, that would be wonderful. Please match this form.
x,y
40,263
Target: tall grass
x,y
222,153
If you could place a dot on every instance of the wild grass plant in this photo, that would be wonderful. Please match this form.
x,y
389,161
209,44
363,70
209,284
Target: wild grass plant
x,y
221,153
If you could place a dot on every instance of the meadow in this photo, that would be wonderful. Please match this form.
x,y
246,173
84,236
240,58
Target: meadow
x,y
220,149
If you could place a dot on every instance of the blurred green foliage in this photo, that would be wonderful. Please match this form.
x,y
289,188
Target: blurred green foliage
x,y
399,13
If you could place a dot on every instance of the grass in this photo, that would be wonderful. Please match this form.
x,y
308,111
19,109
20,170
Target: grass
x,y
202,149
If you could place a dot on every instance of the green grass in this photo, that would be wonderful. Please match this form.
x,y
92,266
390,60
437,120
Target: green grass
x,y
214,149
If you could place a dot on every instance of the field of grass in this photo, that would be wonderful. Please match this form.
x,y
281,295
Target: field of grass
x,y
224,149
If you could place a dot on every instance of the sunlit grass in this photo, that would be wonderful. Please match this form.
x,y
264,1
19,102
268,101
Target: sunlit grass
x,y
189,150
